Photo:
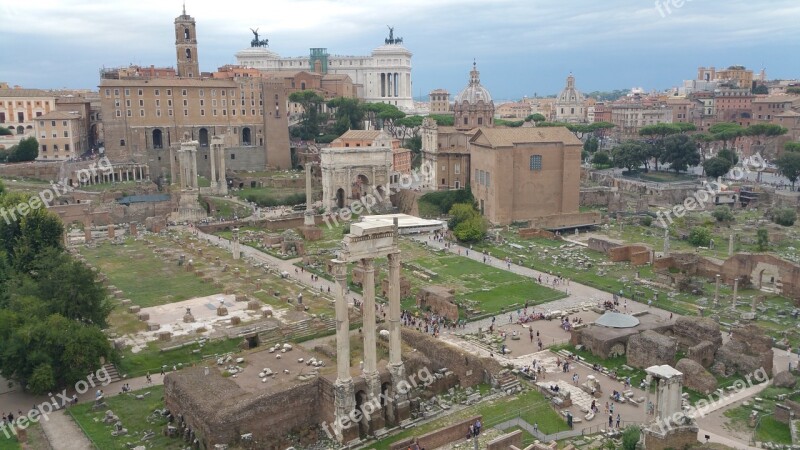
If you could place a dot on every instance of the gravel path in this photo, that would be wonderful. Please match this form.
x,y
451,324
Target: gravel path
x,y
64,434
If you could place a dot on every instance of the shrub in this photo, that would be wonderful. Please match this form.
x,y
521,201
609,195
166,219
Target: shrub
x,y
646,221
471,230
762,239
784,216
630,437
722,214
700,237
601,158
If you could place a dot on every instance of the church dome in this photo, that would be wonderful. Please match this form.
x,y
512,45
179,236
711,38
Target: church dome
x,y
570,94
474,92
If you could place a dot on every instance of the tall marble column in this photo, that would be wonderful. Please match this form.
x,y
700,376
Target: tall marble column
x,y
735,293
212,155
308,218
344,392
716,291
368,314
400,410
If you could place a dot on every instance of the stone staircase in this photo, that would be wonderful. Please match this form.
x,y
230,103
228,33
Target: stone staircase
x,y
113,373
296,331
507,381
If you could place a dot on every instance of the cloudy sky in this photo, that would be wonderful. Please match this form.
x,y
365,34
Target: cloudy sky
x,y
523,47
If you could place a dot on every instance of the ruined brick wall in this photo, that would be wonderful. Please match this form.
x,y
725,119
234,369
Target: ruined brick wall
x,y
636,254
295,221
782,413
506,441
220,412
526,233
678,438
602,245
439,300
565,220
649,348
748,350
470,369
47,171
689,331
435,439
405,287
702,353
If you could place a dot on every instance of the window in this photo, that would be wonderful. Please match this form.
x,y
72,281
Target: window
x,y
183,92
41,123
127,92
169,91
480,120
185,112
66,147
116,92
66,133
108,92
52,123
141,113
169,113
233,156
158,92
457,168
185,102
128,103
44,148
169,102
158,103
64,123
141,92
129,113
141,102
122,142
536,162
119,113
202,93
202,102
487,179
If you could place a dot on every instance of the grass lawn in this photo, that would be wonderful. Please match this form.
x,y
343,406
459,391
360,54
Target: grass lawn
x,y
769,429
637,375
487,288
136,415
144,278
227,209
531,406
9,443
660,177
152,359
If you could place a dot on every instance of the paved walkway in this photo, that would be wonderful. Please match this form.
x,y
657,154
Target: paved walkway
x,y
64,434
287,266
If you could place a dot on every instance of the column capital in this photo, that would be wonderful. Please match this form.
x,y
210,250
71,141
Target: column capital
x,y
368,264
339,269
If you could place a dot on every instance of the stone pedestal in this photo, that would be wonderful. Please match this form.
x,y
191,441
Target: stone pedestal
x,y
344,404
134,231
222,311
111,231
311,232
87,234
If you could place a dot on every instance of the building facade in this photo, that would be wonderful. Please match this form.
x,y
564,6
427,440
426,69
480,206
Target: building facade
x,y
528,175
143,117
440,102
569,106
384,76
62,135
19,108
473,105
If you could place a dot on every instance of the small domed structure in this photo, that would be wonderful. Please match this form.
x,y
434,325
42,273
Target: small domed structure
x,y
616,320
473,105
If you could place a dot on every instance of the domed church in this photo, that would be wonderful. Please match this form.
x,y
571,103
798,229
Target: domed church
x,y
473,106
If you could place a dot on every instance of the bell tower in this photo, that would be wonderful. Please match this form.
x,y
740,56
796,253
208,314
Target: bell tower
x,y
186,45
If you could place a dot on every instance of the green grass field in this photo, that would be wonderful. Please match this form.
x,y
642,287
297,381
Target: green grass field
x,y
531,406
136,415
152,359
144,278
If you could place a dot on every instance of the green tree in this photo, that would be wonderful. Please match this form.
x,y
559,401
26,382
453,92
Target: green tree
x,y
630,437
657,134
729,155
31,236
762,239
471,230
722,214
311,117
461,212
535,118
760,89
591,145
791,147
601,158
349,114
793,90
26,150
42,379
680,152
629,155
716,167
789,166
784,216
700,236
443,120
726,132
5,131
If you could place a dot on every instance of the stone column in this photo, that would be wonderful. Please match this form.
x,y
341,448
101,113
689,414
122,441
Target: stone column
x,y
344,392
212,155
400,410
666,243
308,218
716,291
735,292
370,372
235,244
730,246
193,156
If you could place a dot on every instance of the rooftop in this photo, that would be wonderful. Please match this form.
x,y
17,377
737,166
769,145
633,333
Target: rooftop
x,y
61,115
617,320
508,137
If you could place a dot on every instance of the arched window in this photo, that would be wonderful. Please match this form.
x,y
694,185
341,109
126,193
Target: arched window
x,y
20,130
246,136
186,34
303,85
203,137
189,53
158,141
